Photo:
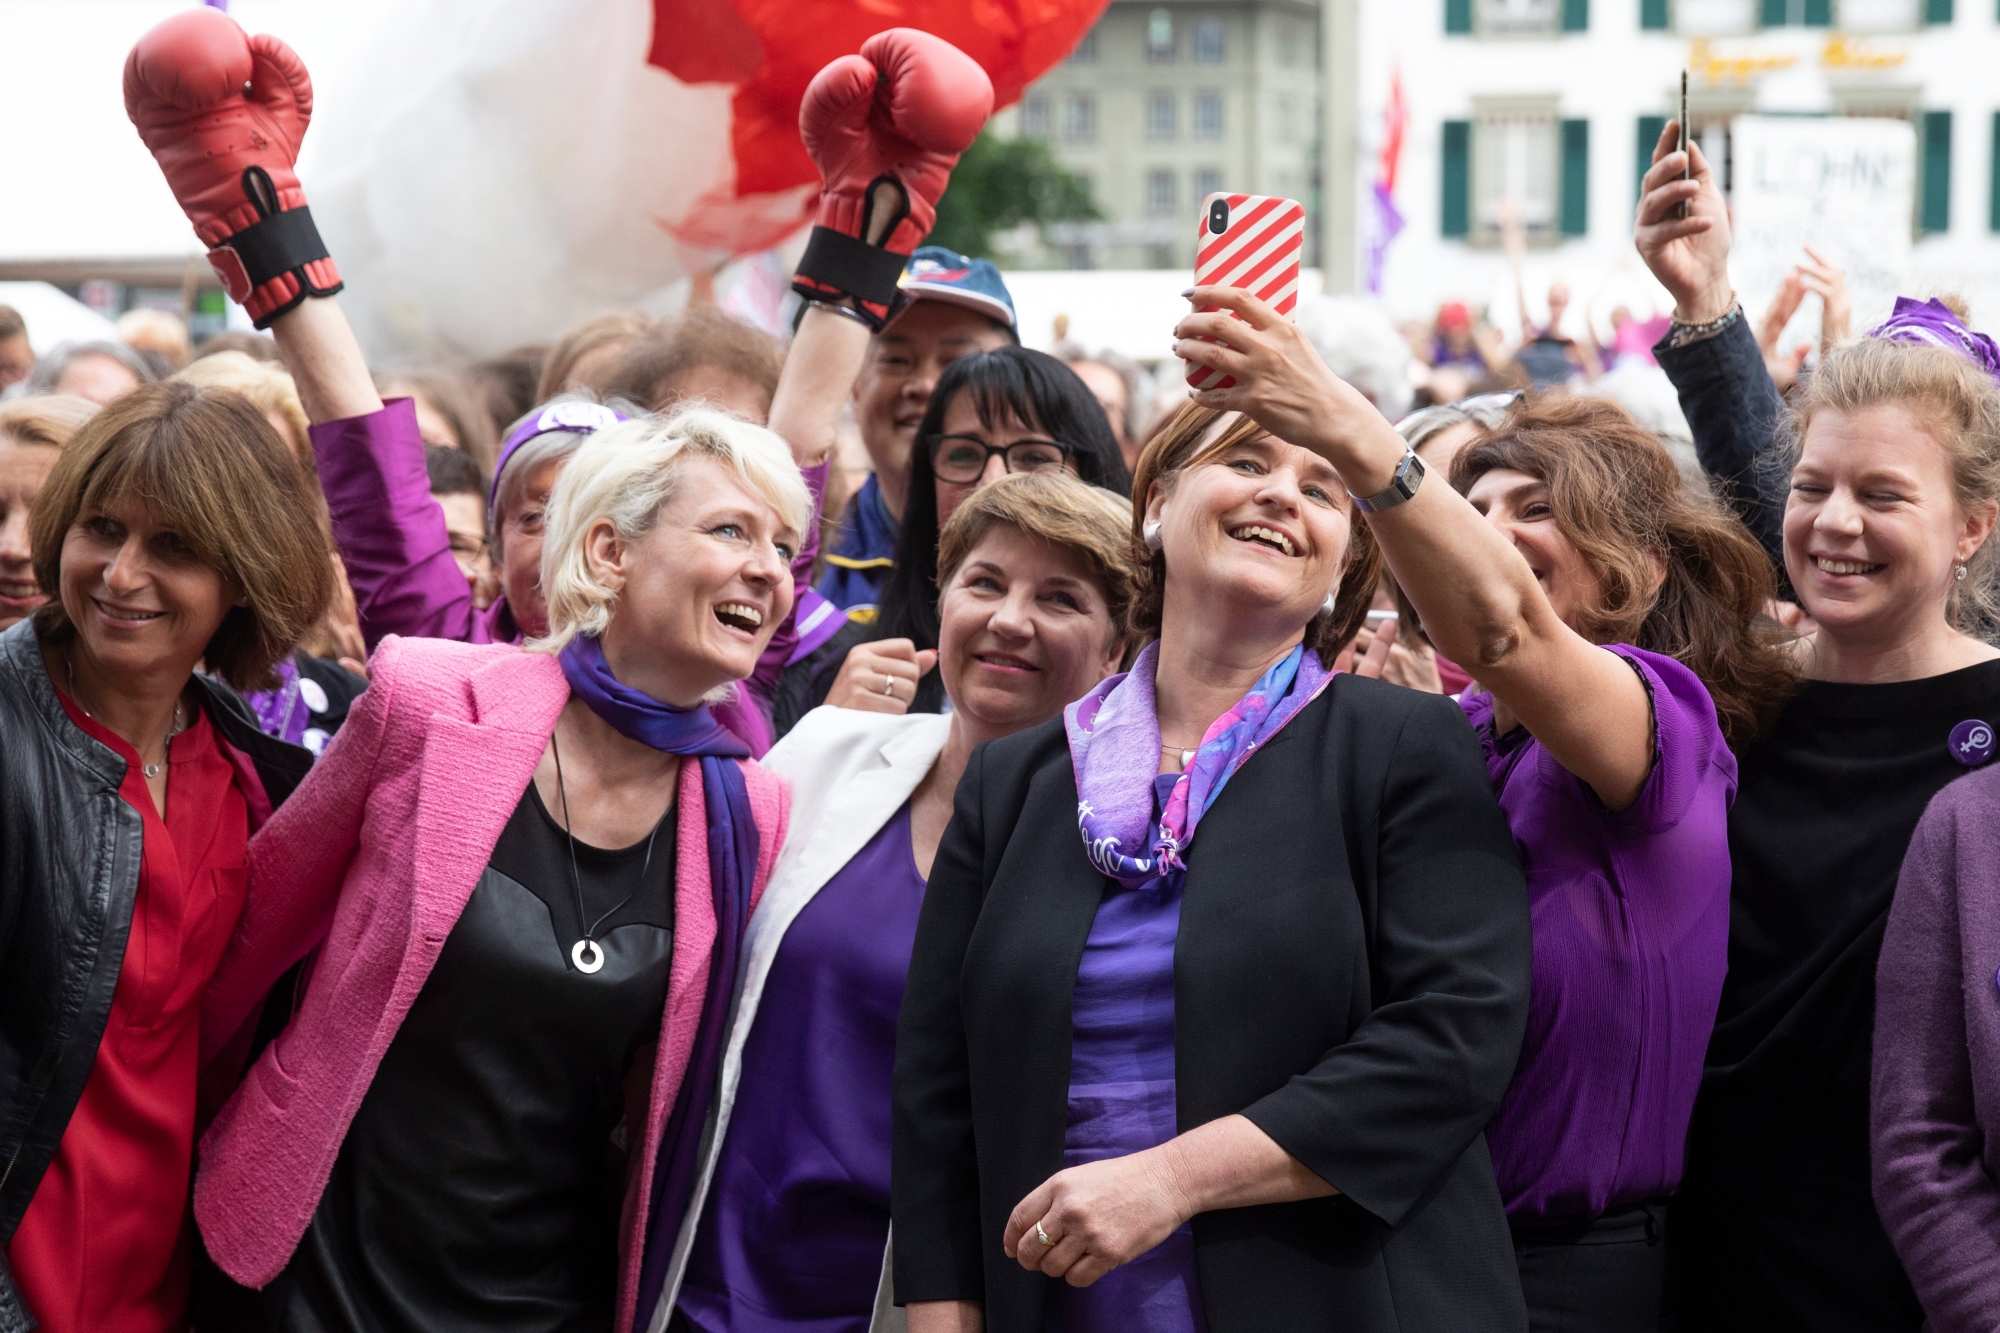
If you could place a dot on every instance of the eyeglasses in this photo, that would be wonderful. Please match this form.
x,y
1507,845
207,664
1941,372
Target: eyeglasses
x,y
963,458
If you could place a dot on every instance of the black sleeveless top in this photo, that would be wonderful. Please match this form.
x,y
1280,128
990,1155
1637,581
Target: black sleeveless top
x,y
479,1185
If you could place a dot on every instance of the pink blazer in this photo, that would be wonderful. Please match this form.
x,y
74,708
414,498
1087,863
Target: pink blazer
x,y
371,862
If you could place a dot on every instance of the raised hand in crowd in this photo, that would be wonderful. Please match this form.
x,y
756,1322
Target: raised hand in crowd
x,y
1828,282
1377,653
1783,365
1689,255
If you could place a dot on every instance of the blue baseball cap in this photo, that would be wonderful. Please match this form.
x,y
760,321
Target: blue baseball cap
x,y
937,274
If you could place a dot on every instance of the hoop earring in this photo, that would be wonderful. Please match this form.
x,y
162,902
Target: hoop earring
x,y
1960,574
1150,534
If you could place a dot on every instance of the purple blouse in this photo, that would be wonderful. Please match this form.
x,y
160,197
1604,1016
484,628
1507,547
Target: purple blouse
x,y
1631,931
798,1214
391,537
1121,1095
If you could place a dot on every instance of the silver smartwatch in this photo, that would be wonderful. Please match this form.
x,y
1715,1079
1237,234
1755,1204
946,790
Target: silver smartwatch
x,y
1409,476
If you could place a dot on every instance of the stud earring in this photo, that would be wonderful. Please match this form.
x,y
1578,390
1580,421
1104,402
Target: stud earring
x,y
1326,607
1150,534
1960,574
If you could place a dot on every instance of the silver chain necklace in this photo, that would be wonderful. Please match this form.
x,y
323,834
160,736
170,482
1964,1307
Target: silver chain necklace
x,y
587,953
174,726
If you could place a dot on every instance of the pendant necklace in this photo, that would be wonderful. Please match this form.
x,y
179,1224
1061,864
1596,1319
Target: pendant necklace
x,y
1182,752
174,725
587,953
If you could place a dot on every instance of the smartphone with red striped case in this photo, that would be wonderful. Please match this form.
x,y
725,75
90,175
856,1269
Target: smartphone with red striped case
x,y
1251,242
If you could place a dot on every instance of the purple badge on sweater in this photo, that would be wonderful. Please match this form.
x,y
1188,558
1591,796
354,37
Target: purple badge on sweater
x,y
1972,742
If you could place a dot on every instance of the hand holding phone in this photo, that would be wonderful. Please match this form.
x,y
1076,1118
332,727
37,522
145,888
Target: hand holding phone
x,y
1251,242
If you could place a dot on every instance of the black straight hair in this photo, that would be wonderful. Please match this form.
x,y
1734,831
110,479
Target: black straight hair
x,y
1008,384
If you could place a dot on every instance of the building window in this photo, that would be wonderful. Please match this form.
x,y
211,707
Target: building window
x,y
1086,50
1080,118
1208,41
1880,15
1517,16
1715,18
1159,35
1035,115
1159,115
1077,256
1161,200
1283,115
1160,256
1208,115
1208,181
1516,160
1653,16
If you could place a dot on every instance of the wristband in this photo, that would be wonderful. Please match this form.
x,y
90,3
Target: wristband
x,y
1680,335
1409,476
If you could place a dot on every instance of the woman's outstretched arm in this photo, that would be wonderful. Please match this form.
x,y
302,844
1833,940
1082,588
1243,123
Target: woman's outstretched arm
x,y
1480,602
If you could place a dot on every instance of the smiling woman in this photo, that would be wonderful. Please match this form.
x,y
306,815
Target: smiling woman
x,y
32,434
544,935
1232,1082
175,530
789,1226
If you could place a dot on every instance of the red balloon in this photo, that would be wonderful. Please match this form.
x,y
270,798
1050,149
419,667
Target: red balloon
x,y
770,49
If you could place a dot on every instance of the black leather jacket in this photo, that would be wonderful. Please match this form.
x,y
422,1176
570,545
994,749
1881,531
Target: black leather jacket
x,y
69,871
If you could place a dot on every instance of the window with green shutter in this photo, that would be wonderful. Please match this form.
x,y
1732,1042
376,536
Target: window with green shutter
x,y
1653,15
1455,192
1650,130
1819,13
1937,11
1576,15
1773,13
1458,15
1935,134
1575,177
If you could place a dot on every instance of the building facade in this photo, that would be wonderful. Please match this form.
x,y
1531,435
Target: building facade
x,y
1166,101
1550,108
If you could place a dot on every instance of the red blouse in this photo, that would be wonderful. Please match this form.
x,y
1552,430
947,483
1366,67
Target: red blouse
x,y
105,1245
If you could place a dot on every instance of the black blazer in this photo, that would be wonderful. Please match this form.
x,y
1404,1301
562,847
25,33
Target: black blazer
x,y
1351,974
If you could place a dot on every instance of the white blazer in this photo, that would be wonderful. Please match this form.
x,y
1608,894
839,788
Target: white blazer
x,y
849,772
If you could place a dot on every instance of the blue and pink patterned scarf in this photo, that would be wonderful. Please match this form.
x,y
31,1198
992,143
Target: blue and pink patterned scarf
x,y
1114,746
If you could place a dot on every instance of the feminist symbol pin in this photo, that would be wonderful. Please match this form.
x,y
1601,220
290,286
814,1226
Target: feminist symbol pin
x,y
1972,742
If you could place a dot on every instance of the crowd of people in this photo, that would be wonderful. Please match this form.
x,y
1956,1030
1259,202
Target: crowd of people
x,y
1594,929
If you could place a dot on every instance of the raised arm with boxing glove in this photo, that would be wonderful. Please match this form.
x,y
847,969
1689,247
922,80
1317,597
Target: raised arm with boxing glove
x,y
885,129
223,113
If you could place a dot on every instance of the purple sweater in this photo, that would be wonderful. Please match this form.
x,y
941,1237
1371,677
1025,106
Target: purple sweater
x,y
1631,921
406,581
1936,1080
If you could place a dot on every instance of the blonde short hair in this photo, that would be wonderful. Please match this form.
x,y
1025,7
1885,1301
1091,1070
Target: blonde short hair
x,y
48,419
628,473
268,387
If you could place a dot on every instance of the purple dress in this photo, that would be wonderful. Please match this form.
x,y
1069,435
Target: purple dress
x,y
1631,931
1121,1095
798,1215
391,537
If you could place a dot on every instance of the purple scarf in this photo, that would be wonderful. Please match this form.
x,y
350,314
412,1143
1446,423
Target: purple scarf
x,y
1932,324
732,870
1114,746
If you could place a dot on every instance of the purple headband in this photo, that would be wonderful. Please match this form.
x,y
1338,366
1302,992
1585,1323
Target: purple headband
x,y
1932,324
577,416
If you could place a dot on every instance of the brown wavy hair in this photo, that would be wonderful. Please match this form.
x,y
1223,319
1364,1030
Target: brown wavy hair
x,y
1619,499
1176,448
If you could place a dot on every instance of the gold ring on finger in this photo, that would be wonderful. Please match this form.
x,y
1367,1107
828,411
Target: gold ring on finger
x,y
1042,1235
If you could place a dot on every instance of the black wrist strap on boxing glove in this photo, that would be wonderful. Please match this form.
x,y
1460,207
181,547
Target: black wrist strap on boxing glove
x,y
278,244
835,262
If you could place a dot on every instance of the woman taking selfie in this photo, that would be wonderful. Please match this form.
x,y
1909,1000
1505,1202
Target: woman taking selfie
x,y
526,874
992,414
1614,623
129,787
1221,1057
1894,486
1037,578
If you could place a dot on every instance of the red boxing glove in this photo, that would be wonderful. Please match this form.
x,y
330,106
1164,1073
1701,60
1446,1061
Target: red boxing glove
x,y
223,113
885,129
